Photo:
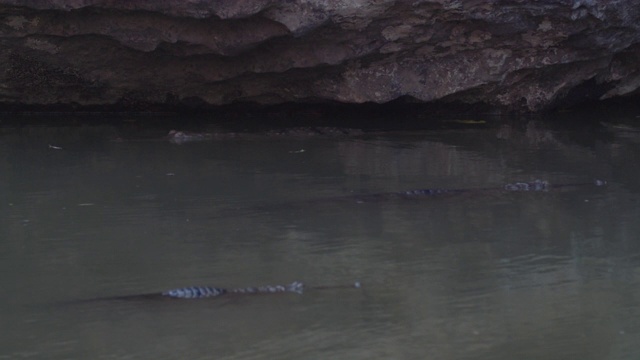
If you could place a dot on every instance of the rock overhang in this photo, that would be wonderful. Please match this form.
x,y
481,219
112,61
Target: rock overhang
x,y
526,56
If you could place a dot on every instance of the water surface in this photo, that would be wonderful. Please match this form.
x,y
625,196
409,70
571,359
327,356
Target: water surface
x,y
486,275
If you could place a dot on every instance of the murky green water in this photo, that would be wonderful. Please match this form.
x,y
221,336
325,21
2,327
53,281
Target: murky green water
x,y
491,275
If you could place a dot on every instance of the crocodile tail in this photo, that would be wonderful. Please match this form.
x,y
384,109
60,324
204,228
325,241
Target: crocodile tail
x,y
194,292
295,286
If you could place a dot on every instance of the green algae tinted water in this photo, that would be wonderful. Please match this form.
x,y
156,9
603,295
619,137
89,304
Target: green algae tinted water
x,y
490,274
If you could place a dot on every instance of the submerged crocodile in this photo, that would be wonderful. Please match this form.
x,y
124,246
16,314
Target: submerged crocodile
x,y
203,292
199,292
414,194
181,137
532,186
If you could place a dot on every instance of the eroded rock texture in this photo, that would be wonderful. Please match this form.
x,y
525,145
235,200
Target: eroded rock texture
x,y
528,55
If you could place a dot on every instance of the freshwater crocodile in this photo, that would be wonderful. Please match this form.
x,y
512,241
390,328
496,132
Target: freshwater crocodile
x,y
532,186
203,292
199,292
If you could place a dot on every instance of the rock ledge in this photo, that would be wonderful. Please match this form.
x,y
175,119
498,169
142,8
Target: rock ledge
x,y
521,55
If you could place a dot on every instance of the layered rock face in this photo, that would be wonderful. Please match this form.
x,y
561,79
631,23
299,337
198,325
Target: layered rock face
x,y
526,55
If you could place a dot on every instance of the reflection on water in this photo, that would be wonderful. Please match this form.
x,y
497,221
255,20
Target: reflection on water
x,y
485,275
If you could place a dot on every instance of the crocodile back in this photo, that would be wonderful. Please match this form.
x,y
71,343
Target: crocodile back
x,y
194,292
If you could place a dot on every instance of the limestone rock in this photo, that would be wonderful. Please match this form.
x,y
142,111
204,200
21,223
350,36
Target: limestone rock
x,y
526,55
